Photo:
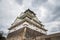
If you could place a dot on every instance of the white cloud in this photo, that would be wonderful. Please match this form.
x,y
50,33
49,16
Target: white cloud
x,y
52,27
51,2
43,12
9,9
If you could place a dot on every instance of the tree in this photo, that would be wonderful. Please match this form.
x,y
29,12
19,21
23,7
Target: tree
x,y
1,36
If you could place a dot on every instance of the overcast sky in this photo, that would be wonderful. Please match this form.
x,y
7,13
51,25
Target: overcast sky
x,y
47,11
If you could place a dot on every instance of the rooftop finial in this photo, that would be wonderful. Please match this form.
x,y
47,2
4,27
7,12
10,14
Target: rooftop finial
x,y
29,11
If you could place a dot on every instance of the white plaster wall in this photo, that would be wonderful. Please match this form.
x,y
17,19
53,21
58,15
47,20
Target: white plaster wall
x,y
29,26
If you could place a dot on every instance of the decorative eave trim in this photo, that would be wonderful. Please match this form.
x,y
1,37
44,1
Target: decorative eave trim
x,y
27,20
30,18
26,15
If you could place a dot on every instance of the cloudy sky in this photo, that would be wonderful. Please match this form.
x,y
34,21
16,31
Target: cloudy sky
x,y
47,11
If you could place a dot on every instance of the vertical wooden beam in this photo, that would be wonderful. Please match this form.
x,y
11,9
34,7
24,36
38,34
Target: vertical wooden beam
x,y
24,33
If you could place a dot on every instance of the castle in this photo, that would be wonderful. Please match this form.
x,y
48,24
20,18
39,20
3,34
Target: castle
x,y
27,27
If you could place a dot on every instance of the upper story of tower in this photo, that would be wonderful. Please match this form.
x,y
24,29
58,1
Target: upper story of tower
x,y
28,19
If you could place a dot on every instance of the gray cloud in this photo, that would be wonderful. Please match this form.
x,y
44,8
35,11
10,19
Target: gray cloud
x,y
56,13
8,12
0,0
9,9
20,2
53,12
52,17
55,29
52,27
37,3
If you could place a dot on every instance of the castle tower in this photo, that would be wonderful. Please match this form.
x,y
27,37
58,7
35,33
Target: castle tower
x,y
26,27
